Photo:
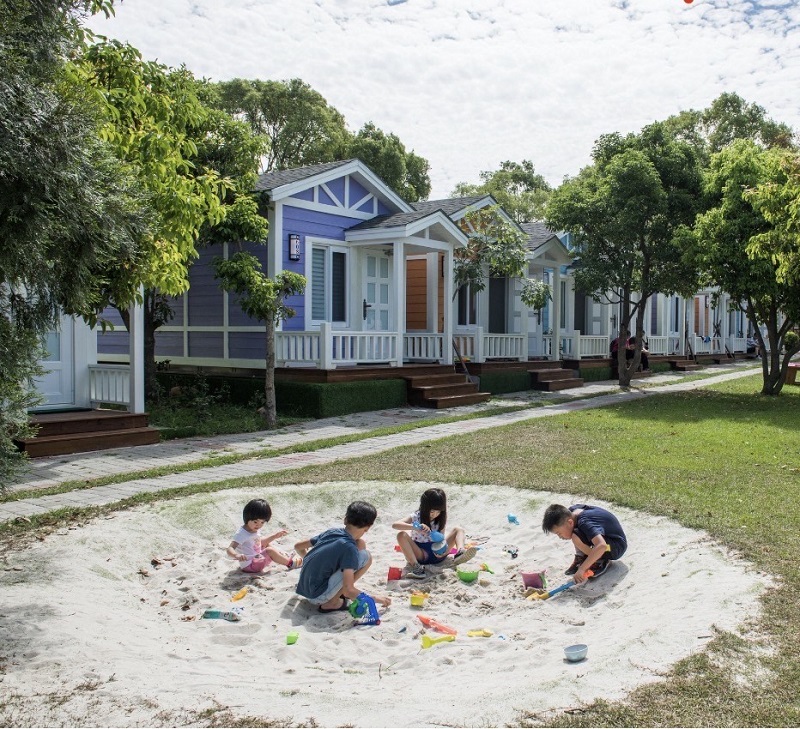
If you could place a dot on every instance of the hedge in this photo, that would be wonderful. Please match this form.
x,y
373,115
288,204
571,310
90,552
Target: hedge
x,y
499,382
300,399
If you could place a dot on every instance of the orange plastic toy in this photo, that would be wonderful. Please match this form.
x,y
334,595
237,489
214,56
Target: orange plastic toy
x,y
435,625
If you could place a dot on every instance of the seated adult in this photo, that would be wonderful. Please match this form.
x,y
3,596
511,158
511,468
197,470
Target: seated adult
x,y
630,351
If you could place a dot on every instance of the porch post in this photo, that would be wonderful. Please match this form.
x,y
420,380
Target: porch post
x,y
524,326
682,329
325,346
479,357
556,312
136,349
400,300
447,334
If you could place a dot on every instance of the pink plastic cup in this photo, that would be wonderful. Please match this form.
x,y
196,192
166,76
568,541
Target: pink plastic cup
x,y
533,579
395,573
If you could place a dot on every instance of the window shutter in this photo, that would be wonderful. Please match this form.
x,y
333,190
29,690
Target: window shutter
x,y
318,284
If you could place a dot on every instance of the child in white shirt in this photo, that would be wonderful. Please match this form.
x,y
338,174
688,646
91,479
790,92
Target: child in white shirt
x,y
252,550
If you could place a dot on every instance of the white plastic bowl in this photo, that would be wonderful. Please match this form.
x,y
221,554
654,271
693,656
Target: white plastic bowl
x,y
577,652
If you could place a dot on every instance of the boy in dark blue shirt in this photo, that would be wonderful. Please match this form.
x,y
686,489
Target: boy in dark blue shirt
x,y
595,533
336,559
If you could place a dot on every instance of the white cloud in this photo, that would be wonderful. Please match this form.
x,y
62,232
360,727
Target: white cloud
x,y
469,83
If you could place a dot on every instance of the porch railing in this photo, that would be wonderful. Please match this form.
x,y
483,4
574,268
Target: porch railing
x,y
423,347
110,384
479,346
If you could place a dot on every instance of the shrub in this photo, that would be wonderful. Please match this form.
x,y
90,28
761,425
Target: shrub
x,y
325,400
498,382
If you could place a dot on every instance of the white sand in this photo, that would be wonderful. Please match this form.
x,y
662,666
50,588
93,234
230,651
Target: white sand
x,y
86,639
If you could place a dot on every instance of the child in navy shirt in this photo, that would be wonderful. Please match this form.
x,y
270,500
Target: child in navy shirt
x,y
595,533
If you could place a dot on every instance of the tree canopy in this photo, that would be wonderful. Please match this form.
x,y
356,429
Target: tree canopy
x,y
69,211
738,241
301,128
517,188
627,213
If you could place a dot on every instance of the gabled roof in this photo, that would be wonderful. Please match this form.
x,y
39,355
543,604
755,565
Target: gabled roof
x,y
285,183
269,181
406,224
538,234
449,206
395,220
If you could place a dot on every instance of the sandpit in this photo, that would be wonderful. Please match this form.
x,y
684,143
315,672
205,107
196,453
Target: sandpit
x,y
101,625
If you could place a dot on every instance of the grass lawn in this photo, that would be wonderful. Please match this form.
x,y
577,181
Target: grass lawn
x,y
723,459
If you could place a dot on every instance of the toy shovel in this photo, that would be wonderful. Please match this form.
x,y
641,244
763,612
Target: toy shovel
x,y
542,595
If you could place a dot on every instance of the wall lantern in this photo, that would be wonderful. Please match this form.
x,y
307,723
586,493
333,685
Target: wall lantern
x,y
294,247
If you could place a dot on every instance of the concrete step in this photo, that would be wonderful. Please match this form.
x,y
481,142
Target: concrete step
x,y
56,445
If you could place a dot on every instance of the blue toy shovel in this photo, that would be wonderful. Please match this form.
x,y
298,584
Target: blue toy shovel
x,y
542,595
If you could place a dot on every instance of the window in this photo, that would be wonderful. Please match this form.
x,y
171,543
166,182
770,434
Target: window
x,y
328,285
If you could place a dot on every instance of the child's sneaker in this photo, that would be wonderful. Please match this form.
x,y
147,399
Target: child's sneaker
x,y
295,562
577,562
417,572
464,555
600,566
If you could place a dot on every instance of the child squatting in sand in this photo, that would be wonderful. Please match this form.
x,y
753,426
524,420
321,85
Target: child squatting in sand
x,y
253,551
595,533
336,559
414,535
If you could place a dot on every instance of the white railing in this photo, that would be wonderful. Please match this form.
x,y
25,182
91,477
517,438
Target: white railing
x,y
701,345
424,347
736,344
505,346
367,347
110,384
591,345
466,344
658,345
297,347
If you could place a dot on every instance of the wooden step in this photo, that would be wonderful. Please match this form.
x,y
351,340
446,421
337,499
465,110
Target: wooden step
x,y
56,445
452,401
426,380
86,421
550,375
555,385
418,395
683,365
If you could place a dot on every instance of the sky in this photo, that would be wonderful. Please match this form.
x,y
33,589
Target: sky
x,y
470,83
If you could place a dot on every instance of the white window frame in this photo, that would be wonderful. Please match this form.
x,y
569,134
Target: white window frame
x,y
329,247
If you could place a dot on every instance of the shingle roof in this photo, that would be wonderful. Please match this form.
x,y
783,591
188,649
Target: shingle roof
x,y
396,220
538,234
271,180
450,206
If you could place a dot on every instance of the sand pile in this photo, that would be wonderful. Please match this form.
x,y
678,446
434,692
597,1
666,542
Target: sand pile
x,y
102,625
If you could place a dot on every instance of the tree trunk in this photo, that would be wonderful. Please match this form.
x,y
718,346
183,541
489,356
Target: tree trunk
x,y
270,406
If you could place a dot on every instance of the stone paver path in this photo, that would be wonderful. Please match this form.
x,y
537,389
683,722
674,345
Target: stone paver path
x,y
86,466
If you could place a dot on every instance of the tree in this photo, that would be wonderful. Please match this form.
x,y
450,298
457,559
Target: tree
x,y
176,146
738,241
262,299
69,211
516,186
728,118
299,124
627,213
498,248
405,172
